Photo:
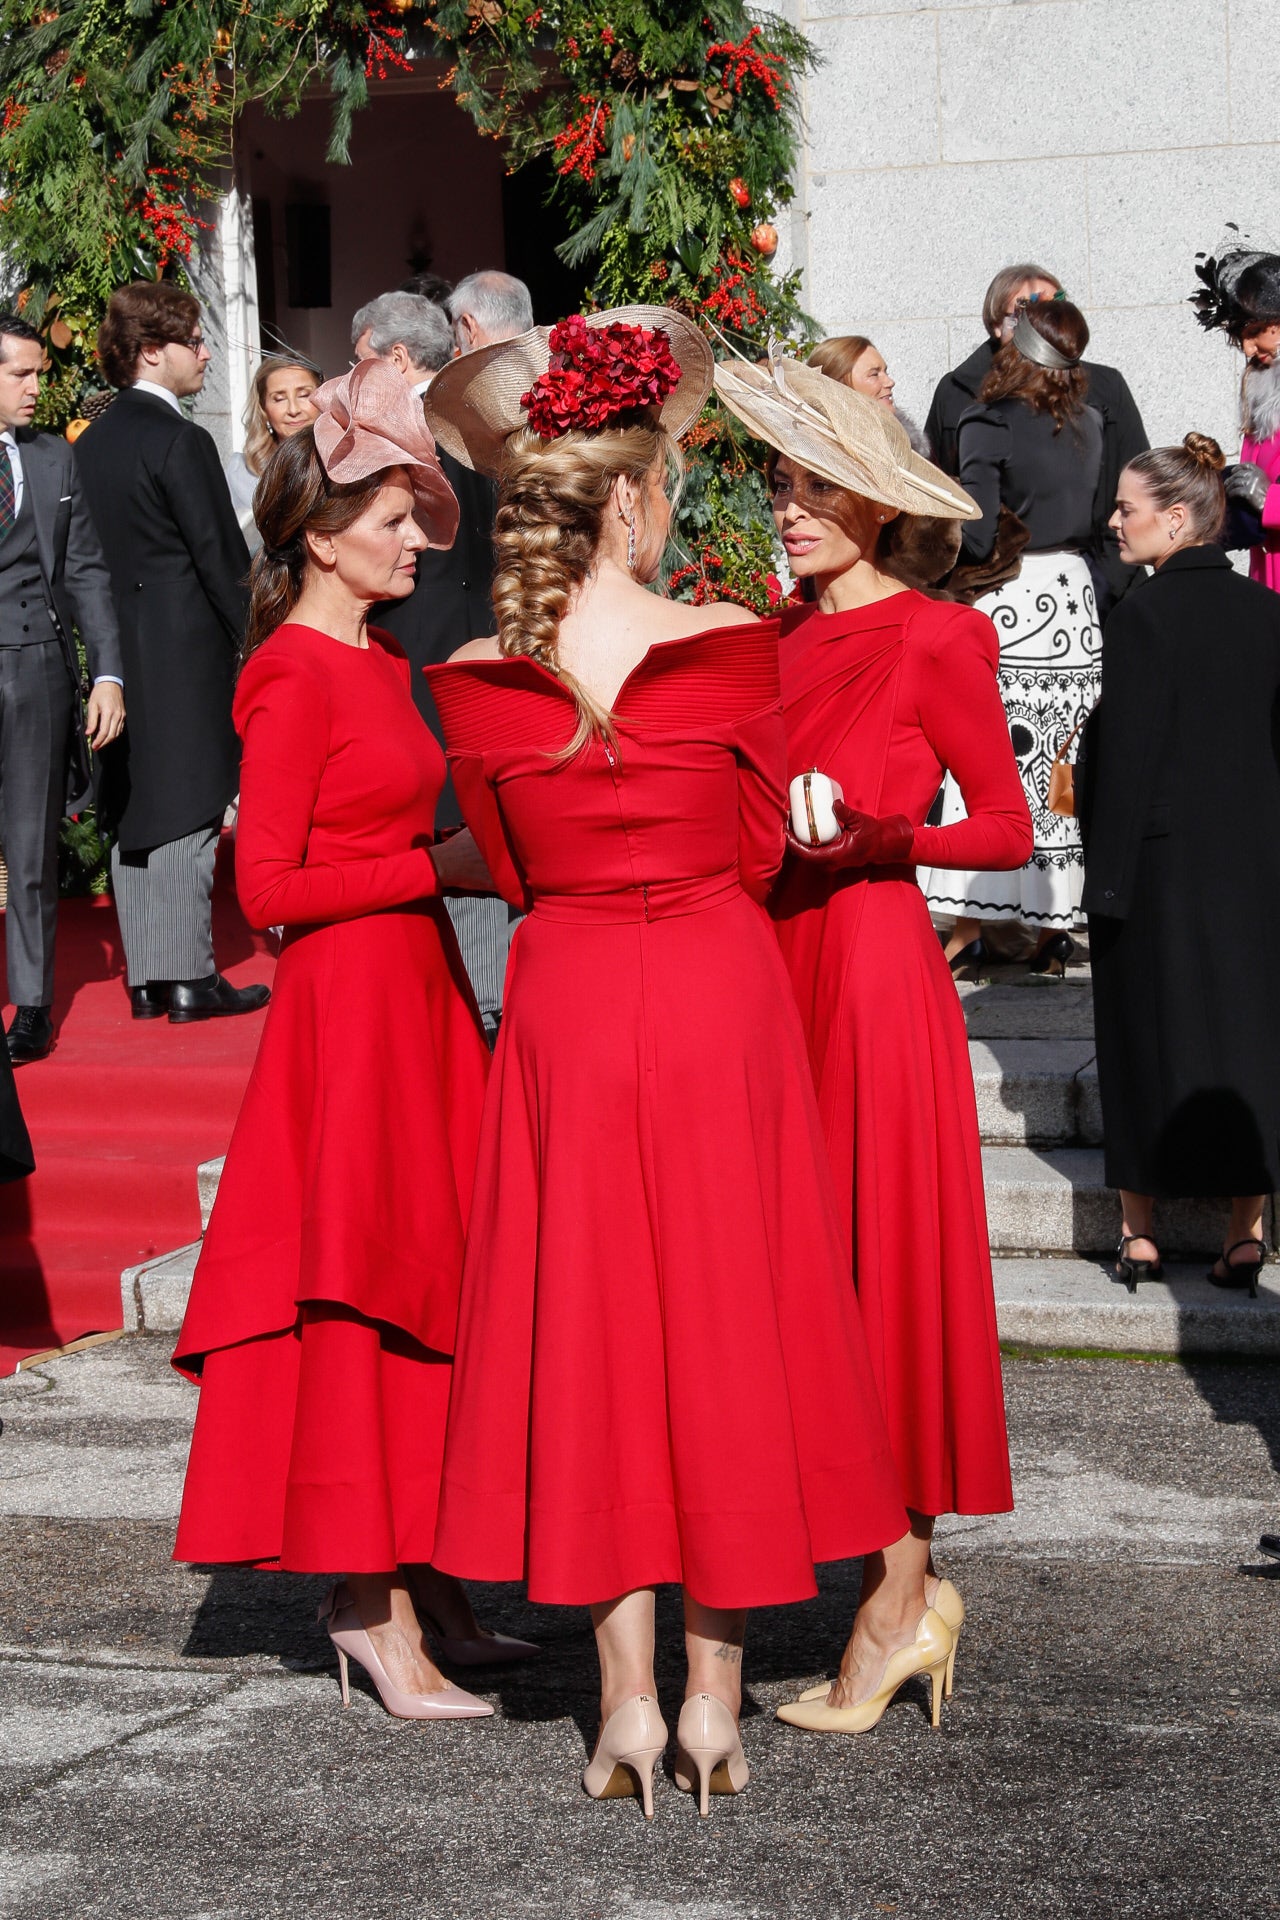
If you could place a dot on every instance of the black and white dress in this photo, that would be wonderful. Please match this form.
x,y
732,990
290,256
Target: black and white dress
x,y
1050,644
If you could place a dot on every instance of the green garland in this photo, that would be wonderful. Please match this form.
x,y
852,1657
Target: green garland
x,y
671,130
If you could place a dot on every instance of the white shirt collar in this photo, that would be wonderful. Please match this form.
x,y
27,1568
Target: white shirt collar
x,y
422,386
9,437
161,393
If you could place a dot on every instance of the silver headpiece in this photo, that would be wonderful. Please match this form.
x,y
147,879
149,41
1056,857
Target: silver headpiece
x,y
1033,346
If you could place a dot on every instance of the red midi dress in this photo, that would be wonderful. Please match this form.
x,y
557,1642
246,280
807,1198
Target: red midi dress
x,y
884,699
660,1372
323,1311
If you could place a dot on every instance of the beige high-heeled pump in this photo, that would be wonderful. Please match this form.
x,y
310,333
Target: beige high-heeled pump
x,y
928,1653
709,1750
632,1741
947,1602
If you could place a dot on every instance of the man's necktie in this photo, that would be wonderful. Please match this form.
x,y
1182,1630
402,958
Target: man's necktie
x,y
8,511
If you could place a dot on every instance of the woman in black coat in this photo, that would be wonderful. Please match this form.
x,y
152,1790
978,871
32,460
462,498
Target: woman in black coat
x,y
1181,803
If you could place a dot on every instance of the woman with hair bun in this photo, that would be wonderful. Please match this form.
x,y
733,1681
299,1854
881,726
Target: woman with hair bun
x,y
1031,456
321,1319
1180,796
661,1373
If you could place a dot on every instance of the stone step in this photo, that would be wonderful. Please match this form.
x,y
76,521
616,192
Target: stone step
x,y
1031,1009
1036,1092
1055,1201
207,1178
154,1295
1082,1303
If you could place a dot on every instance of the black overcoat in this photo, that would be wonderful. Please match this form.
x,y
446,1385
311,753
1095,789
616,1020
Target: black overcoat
x,y
1181,820
179,568
450,603
1123,436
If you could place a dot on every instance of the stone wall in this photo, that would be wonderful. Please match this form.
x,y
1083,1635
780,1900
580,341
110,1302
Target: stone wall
x,y
1109,139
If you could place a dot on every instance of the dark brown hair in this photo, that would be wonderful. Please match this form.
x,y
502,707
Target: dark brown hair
x,y
1191,475
151,313
1059,391
295,496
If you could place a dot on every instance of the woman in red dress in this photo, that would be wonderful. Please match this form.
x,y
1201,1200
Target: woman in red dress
x,y
660,1372
883,690
322,1316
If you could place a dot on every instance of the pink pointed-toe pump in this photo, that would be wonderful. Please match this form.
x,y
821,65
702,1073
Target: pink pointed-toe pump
x,y
352,1642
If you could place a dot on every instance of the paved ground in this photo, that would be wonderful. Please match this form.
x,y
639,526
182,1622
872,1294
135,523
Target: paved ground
x,y
172,1748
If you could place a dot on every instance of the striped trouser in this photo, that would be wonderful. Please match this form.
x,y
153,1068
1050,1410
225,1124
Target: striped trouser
x,y
483,927
164,905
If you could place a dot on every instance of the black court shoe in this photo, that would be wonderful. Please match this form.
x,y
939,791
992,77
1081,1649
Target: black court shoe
x,y
975,955
1053,956
1245,1272
1131,1271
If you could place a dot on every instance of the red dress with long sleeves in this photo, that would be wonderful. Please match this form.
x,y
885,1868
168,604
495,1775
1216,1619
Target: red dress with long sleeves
x,y
884,699
323,1310
660,1372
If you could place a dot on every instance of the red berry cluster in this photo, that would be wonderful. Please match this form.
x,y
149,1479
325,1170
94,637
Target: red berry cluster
x,y
597,374
751,62
582,142
734,302
172,228
382,52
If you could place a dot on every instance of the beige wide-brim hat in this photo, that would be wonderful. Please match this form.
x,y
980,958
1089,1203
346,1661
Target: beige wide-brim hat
x,y
841,435
474,402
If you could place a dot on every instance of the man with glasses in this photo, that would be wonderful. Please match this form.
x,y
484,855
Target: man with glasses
x,y
178,564
1123,434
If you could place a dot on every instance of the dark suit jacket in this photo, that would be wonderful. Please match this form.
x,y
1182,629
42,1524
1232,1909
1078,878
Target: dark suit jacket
x,y
77,584
1182,746
179,566
450,602
1123,435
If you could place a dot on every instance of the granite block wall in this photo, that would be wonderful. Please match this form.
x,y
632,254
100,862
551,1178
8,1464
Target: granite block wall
x,y
1110,139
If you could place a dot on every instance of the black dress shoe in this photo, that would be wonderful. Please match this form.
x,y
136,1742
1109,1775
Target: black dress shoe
x,y
30,1035
213,999
150,1002
1270,1545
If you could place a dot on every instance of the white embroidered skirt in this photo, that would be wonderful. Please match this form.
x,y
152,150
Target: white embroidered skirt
x,y
1050,662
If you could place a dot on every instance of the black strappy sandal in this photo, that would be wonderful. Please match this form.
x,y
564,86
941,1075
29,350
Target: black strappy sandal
x,y
1131,1271
1245,1272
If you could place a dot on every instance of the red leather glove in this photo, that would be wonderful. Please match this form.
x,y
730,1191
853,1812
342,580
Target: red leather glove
x,y
867,840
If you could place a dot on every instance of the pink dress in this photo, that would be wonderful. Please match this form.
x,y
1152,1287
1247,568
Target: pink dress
x,y
1264,561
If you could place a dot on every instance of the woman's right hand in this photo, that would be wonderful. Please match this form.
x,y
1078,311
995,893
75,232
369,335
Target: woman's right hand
x,y
461,865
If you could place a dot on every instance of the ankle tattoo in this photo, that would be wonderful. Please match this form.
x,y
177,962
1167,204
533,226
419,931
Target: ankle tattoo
x,y
729,1653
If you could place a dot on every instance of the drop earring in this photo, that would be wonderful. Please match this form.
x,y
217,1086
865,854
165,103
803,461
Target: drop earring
x,y
631,544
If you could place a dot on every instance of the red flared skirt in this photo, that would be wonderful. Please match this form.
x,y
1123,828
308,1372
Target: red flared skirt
x,y
317,1450
895,1090
322,1315
660,1372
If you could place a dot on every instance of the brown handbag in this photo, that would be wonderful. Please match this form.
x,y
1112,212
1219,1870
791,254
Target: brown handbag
x,y
1061,797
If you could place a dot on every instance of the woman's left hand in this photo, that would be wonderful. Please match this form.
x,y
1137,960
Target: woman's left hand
x,y
461,865
865,840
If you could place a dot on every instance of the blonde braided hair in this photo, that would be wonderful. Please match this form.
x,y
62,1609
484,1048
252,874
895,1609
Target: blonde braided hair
x,y
552,500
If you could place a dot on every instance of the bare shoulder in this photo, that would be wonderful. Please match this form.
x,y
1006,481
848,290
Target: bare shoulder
x,y
718,613
486,649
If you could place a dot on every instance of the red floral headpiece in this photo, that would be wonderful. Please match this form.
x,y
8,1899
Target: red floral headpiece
x,y
597,373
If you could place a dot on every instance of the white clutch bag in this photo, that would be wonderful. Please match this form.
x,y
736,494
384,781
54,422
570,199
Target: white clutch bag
x,y
813,797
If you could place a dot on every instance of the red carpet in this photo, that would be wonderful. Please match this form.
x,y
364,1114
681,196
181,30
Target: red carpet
x,y
120,1116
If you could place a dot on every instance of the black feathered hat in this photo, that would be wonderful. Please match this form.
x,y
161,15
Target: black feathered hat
x,y
1241,287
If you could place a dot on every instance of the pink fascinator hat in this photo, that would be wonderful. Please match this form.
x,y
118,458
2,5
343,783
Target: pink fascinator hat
x,y
367,421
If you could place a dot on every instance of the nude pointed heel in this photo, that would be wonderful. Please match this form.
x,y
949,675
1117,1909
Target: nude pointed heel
x,y
632,1741
709,1749
947,1602
351,1641
928,1653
